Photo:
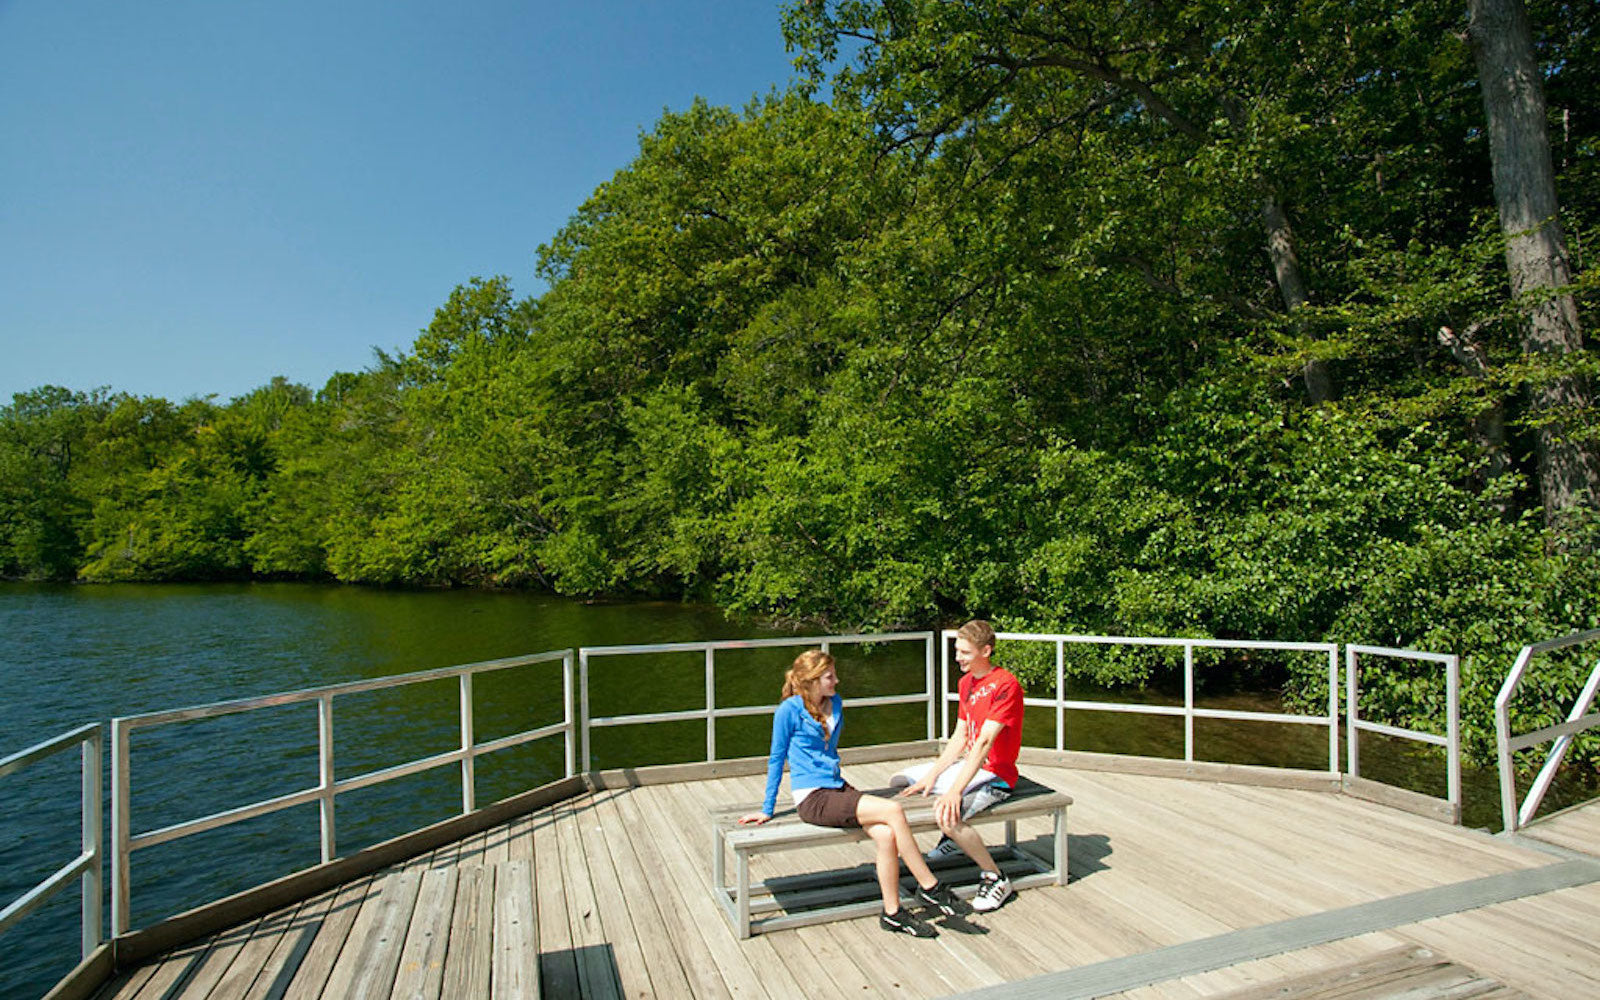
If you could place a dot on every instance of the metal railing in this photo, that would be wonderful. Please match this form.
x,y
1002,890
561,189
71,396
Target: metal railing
x,y
1450,741
1578,720
328,788
1188,711
88,867
577,724
711,712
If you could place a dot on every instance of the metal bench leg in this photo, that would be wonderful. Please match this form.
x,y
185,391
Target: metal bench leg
x,y
1061,847
742,904
1011,835
719,867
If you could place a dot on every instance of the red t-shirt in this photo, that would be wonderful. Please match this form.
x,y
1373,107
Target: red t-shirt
x,y
997,696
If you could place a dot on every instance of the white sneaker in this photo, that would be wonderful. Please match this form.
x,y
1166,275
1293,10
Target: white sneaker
x,y
945,848
993,891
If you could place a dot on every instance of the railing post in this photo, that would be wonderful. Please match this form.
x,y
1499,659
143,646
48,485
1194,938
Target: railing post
x,y
1061,695
566,709
1452,684
121,896
325,806
1188,701
944,687
583,704
930,686
1333,709
1352,696
93,846
469,794
711,703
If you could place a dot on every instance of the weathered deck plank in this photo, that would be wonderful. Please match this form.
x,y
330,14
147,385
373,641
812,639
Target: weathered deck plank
x,y
420,975
515,957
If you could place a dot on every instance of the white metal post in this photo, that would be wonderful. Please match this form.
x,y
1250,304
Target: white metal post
x,y
583,704
711,703
1452,684
469,791
1352,696
566,710
944,686
929,685
1333,710
120,893
325,802
1061,695
94,875
1188,701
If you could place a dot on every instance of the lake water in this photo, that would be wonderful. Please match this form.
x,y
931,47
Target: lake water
x,y
71,655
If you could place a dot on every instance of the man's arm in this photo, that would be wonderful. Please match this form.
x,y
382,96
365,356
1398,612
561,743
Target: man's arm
x,y
948,809
952,753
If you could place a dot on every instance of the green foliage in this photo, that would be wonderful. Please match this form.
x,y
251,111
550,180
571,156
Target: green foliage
x,y
994,332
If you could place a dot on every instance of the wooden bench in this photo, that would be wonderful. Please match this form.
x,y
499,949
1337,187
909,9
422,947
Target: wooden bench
x,y
811,899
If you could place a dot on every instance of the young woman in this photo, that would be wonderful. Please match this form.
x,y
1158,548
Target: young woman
x,y
805,733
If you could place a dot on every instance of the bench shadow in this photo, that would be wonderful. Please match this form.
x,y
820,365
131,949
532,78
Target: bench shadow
x,y
588,971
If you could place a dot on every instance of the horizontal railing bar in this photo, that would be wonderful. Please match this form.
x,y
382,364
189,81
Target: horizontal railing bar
x,y
517,739
352,687
886,699
224,818
1104,706
600,722
1570,640
1176,711
1125,640
1404,734
1299,720
398,771
1548,733
1406,654
41,893
700,647
53,745
699,714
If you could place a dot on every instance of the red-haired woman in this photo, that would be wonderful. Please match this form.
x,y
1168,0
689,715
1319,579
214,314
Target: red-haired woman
x,y
805,734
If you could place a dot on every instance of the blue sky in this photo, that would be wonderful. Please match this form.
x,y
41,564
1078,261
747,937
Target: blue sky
x,y
197,196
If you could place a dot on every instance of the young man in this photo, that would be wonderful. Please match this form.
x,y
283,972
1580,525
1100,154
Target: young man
x,y
979,765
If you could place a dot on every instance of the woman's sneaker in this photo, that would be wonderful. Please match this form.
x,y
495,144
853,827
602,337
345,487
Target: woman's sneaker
x,y
905,922
993,891
942,899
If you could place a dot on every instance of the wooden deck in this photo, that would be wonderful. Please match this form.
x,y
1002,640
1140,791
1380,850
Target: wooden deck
x,y
1294,893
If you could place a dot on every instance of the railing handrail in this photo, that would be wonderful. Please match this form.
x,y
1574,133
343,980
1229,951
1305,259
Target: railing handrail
x,y
89,866
1507,744
1450,741
301,695
328,787
1187,711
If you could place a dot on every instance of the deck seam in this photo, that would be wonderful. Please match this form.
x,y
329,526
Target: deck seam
x,y
1130,972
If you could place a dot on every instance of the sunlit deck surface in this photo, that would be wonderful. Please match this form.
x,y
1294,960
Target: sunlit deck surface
x,y
1292,892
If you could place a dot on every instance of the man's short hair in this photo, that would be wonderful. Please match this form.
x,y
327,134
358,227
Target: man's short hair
x,y
978,632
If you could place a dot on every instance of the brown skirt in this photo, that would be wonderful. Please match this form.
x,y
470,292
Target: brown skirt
x,y
830,807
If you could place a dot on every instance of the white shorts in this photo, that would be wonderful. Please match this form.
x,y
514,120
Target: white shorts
x,y
984,790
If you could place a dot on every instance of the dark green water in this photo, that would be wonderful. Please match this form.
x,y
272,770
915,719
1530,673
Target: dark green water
x,y
72,655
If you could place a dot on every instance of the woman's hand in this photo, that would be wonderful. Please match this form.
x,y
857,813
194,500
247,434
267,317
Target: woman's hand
x,y
920,788
753,819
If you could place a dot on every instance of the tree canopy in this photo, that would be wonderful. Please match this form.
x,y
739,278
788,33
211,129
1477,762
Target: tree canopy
x,y
1135,318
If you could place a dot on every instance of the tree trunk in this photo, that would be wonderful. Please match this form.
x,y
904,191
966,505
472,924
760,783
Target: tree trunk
x,y
1286,268
1536,248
